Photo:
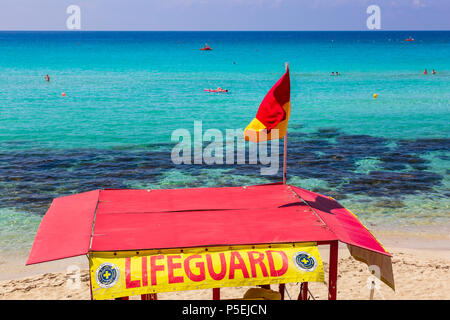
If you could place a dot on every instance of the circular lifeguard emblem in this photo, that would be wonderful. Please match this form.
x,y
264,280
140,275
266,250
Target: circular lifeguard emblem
x,y
304,261
107,275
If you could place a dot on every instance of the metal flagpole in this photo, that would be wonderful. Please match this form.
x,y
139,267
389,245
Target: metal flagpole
x,y
284,158
285,146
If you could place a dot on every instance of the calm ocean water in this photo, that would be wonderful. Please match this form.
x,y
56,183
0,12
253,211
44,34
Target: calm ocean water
x,y
386,159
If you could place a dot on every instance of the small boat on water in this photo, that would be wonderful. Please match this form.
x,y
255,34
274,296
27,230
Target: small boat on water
x,y
409,39
206,48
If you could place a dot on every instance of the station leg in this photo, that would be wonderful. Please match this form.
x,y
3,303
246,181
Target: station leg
x,y
303,294
332,281
216,294
305,291
281,289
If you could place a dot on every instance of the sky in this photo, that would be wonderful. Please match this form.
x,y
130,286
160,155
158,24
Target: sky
x,y
218,15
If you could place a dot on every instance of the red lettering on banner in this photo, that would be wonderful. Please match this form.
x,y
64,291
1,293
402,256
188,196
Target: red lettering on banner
x,y
239,265
223,267
171,266
200,265
154,268
284,267
257,261
144,272
128,283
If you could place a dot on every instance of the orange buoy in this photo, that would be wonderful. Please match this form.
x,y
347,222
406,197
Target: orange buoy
x,y
375,95
63,94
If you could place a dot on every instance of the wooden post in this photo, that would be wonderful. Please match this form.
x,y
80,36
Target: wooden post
x,y
372,290
216,293
281,289
333,270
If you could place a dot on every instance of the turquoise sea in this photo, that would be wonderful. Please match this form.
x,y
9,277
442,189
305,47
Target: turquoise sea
x,y
386,159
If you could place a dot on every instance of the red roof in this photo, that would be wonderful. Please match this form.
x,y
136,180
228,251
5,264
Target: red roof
x,y
179,218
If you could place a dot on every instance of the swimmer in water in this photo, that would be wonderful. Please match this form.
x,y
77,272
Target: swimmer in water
x,y
47,77
337,73
332,73
433,72
219,89
425,71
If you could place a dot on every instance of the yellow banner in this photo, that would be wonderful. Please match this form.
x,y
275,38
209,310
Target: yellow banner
x,y
128,273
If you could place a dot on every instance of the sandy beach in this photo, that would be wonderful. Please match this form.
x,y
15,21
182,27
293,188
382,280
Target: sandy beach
x,y
421,271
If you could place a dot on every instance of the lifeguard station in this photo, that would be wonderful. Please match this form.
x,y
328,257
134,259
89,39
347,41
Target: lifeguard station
x,y
143,242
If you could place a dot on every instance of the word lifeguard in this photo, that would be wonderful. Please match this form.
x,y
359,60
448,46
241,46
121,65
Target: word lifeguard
x,y
126,273
171,269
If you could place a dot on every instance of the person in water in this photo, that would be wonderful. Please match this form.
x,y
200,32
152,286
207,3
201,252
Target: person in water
x,y
425,71
332,73
433,72
47,77
337,73
219,89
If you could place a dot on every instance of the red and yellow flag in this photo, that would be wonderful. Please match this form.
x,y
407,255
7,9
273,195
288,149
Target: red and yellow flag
x,y
273,113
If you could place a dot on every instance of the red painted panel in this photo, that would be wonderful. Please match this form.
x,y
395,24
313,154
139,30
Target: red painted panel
x,y
65,231
344,224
